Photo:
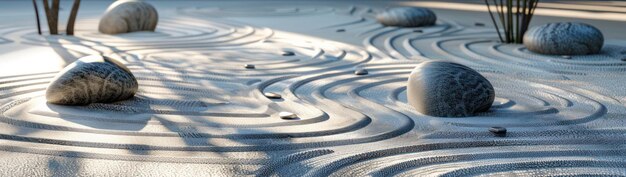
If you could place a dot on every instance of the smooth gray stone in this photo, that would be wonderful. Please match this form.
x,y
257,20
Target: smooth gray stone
x,y
126,16
407,17
445,89
567,38
92,79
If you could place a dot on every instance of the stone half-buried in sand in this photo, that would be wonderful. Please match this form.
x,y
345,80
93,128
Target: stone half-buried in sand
x,y
445,89
407,17
567,38
126,16
92,79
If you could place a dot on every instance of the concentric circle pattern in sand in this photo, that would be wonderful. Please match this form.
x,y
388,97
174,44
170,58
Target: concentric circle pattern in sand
x,y
197,103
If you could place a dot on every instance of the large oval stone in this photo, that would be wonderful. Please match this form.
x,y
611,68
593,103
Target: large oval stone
x,y
92,79
127,16
445,89
566,38
407,17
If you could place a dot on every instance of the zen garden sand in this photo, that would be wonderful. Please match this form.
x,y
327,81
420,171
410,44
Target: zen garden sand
x,y
307,88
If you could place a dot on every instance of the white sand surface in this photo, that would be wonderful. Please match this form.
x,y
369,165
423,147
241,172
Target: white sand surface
x,y
199,112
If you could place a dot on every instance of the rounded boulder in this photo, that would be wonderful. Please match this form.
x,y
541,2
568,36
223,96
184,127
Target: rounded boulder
x,y
446,89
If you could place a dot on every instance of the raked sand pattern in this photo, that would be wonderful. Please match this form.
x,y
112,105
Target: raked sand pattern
x,y
199,111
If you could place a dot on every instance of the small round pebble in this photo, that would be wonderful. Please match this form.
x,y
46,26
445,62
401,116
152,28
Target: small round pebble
x,y
272,95
361,72
566,56
249,66
341,30
287,115
479,24
498,130
288,53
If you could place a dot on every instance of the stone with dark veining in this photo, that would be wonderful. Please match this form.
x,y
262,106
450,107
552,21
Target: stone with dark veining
x,y
92,79
126,16
407,17
445,89
566,38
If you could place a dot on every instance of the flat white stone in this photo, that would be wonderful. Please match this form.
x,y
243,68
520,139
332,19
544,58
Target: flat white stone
x,y
287,115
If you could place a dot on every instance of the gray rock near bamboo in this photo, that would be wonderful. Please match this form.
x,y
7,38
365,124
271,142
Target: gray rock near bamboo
x,y
92,79
128,16
407,17
565,38
445,89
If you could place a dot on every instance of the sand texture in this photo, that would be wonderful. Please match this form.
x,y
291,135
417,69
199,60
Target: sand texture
x,y
227,88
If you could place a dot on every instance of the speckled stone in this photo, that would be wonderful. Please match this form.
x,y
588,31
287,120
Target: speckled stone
x,y
361,72
126,16
407,17
287,115
445,89
566,38
272,95
92,79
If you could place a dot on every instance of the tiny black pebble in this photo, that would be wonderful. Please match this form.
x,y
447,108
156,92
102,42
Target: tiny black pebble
x,y
418,31
288,53
341,30
249,66
499,131
360,72
479,24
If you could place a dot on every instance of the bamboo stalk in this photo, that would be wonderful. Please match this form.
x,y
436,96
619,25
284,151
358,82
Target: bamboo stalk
x,y
72,19
37,17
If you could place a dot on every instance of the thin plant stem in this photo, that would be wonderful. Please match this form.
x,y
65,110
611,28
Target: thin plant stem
x,y
37,17
493,20
72,19
514,16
